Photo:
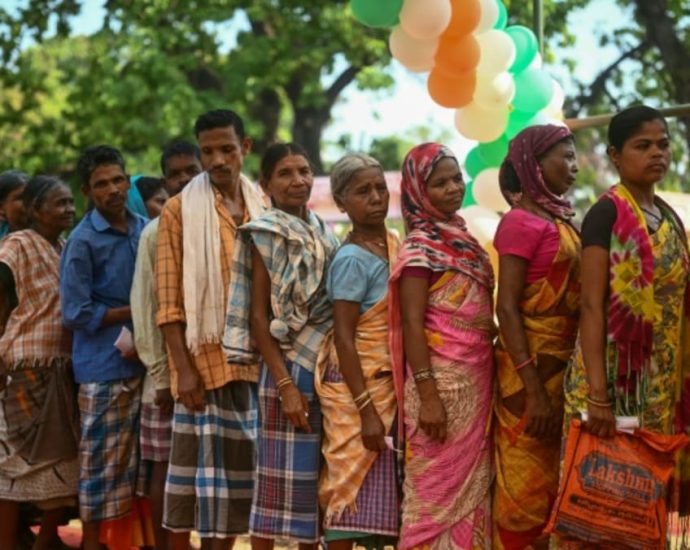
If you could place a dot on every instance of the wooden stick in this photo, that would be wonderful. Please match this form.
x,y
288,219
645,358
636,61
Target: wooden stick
x,y
601,120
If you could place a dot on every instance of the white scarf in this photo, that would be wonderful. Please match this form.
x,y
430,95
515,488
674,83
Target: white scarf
x,y
202,278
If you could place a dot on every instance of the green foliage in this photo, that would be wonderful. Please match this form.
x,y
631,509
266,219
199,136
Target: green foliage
x,y
154,65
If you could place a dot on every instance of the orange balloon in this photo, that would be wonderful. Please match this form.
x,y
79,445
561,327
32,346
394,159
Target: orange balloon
x,y
453,91
457,54
465,17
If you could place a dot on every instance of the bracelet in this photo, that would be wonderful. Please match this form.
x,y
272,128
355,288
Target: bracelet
x,y
426,374
598,402
361,397
284,382
524,363
363,405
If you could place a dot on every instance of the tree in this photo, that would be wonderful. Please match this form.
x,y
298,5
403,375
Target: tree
x,y
153,66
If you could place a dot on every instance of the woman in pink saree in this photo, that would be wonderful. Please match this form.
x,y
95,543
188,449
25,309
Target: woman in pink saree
x,y
441,331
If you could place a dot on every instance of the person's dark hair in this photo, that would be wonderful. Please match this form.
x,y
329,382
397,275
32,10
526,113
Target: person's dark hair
x,y
219,118
148,186
626,123
179,147
277,152
509,180
96,156
11,180
38,188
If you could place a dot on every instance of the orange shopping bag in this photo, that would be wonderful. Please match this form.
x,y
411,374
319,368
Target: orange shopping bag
x,y
613,491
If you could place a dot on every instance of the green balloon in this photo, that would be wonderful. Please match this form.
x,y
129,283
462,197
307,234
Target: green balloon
x,y
526,47
494,152
502,20
474,163
533,90
519,120
468,199
378,13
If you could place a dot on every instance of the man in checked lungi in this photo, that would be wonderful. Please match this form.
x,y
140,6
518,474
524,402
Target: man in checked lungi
x,y
179,163
95,279
210,475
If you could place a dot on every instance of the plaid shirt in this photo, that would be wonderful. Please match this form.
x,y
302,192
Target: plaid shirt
x,y
211,362
34,333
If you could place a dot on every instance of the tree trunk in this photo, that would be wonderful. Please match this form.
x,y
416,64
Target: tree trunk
x,y
662,32
266,110
307,129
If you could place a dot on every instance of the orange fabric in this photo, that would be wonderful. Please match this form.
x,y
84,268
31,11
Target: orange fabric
x,y
613,491
346,461
210,362
131,531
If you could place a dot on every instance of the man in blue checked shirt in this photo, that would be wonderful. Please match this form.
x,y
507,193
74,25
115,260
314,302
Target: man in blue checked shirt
x,y
95,280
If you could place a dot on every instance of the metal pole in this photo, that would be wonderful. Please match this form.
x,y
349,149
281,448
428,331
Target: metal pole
x,y
601,120
538,23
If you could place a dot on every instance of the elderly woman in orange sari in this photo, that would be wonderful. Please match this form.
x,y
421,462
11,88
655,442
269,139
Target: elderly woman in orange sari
x,y
358,488
537,307
441,332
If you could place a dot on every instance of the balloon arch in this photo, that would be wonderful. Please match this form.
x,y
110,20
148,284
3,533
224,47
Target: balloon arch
x,y
490,73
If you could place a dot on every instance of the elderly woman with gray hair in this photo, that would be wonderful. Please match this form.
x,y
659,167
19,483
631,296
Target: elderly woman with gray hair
x,y
358,488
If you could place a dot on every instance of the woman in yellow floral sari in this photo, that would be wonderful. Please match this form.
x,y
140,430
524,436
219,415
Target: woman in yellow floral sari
x,y
635,267
537,306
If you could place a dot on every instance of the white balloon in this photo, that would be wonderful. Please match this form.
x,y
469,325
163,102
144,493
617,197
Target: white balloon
x,y
487,192
425,19
494,91
555,107
481,222
489,15
480,124
496,52
416,55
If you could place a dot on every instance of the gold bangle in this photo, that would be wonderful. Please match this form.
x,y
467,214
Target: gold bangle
x,y
284,382
598,402
426,374
363,405
361,397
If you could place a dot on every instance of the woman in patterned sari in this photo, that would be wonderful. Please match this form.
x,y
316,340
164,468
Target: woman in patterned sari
x,y
441,331
635,267
538,308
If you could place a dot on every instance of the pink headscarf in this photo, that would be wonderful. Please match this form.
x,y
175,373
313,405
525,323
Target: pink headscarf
x,y
525,149
435,240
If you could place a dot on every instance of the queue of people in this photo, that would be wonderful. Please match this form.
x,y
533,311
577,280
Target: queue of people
x,y
284,385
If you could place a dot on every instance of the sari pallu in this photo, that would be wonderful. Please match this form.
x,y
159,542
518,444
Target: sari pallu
x,y
527,468
447,501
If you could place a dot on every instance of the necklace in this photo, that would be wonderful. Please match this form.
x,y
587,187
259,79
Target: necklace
x,y
377,245
377,241
652,214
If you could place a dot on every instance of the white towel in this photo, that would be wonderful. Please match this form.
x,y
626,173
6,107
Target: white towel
x,y
202,278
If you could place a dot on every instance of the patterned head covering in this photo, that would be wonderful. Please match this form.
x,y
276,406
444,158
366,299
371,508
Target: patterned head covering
x,y
435,240
525,149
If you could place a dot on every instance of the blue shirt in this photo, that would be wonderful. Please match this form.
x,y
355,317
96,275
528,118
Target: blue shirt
x,y
357,275
96,271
